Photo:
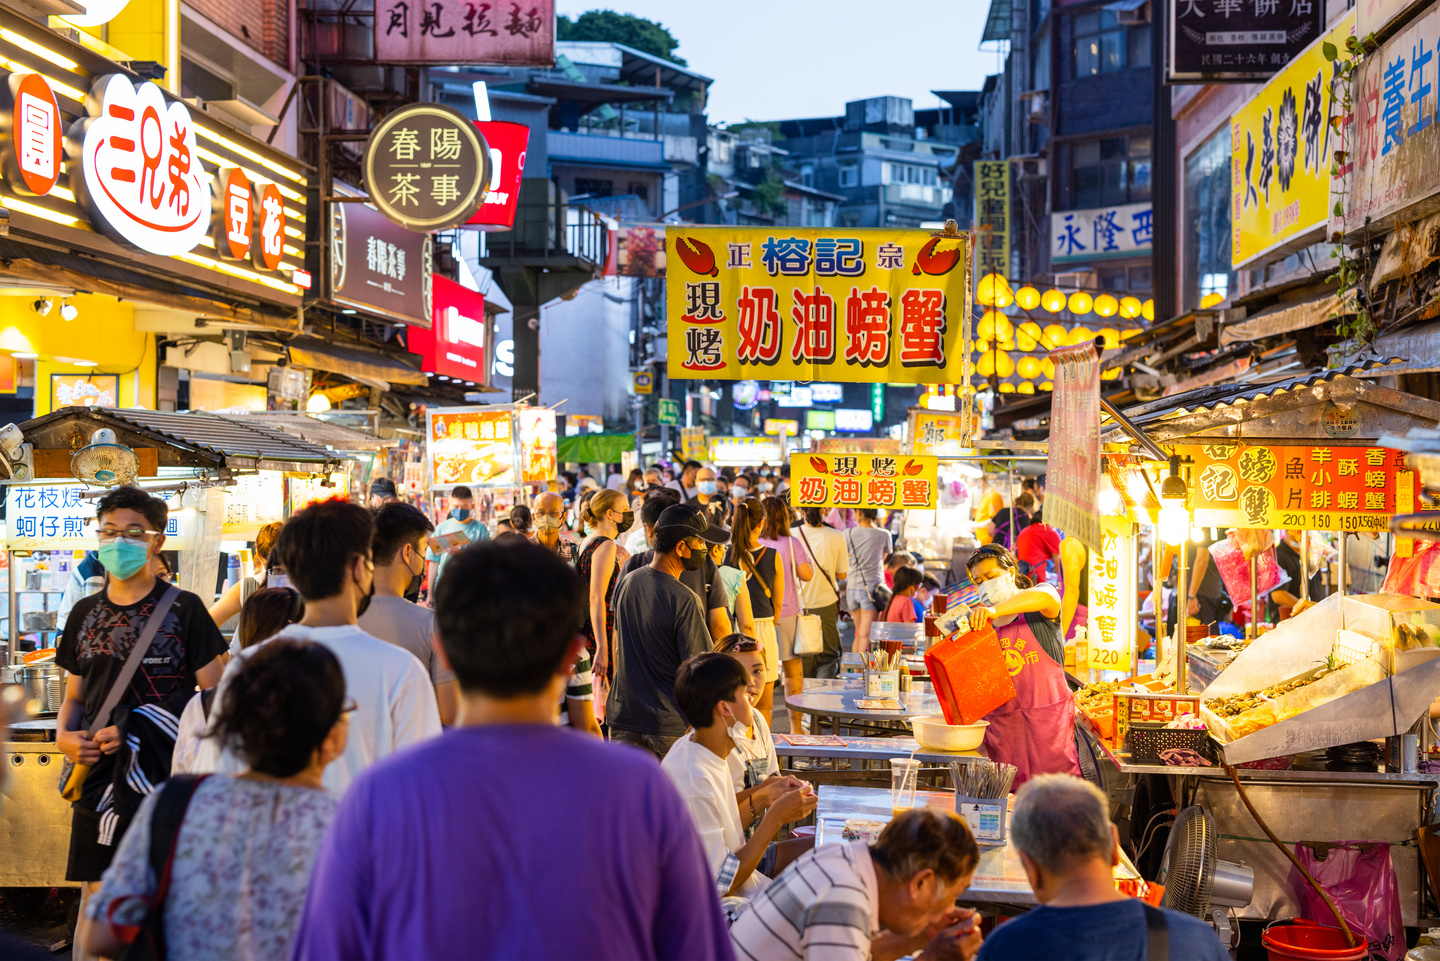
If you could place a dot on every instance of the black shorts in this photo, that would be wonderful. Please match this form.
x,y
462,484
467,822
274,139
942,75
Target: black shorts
x,y
88,857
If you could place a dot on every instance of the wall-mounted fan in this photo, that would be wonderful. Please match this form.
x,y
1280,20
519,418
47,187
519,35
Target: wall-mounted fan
x,y
105,462
16,455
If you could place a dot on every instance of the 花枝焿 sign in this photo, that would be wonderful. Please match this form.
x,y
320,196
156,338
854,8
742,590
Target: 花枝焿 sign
x,y
807,304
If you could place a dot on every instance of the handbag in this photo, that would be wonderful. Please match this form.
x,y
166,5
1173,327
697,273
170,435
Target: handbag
x,y
809,635
147,939
73,774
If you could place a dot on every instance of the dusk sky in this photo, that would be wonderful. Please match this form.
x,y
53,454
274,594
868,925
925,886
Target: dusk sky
x,y
775,60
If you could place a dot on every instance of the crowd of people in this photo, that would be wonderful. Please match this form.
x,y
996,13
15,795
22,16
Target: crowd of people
x,y
360,775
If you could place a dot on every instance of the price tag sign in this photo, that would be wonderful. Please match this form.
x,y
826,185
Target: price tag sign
x,y
1111,619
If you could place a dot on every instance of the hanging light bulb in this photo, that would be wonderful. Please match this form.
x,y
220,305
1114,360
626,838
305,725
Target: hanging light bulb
x,y
1081,335
1004,296
1027,297
1025,388
1028,367
1053,301
1174,517
1111,335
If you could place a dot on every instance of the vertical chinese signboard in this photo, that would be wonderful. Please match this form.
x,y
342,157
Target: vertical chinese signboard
x,y
379,266
1110,624
992,218
470,447
1101,233
448,32
1281,147
1238,40
537,445
864,480
1073,464
1394,172
935,433
878,306
1297,487
692,443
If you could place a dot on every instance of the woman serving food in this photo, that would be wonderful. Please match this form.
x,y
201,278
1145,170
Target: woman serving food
x,y
1035,731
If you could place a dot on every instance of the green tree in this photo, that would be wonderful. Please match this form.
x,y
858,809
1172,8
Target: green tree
x,y
612,27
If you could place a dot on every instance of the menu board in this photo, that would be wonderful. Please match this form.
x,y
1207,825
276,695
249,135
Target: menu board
x,y
1110,623
537,445
472,446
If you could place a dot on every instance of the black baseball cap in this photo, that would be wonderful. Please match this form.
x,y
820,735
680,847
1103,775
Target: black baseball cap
x,y
693,521
383,486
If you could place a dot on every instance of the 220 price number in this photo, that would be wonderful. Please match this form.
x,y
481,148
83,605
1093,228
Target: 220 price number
x,y
1105,657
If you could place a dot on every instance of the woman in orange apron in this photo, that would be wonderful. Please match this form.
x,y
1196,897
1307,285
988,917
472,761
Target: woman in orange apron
x,y
1036,730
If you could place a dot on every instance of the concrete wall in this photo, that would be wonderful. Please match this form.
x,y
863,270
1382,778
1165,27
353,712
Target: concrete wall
x,y
585,351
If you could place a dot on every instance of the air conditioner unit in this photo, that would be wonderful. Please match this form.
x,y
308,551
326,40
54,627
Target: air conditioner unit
x,y
1076,280
1032,168
1135,15
1039,109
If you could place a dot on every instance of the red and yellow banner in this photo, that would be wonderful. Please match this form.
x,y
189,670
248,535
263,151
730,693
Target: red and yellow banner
x,y
1324,488
892,482
874,306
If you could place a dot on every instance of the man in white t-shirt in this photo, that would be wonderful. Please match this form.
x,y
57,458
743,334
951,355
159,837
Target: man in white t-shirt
x,y
710,692
326,552
831,561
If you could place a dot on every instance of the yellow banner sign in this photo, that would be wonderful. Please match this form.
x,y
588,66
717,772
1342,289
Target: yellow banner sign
x,y
936,433
1281,148
864,480
1111,619
874,306
692,443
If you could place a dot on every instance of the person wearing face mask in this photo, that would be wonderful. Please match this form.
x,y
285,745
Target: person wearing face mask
x,y
707,488
1036,730
461,518
606,515
739,490
710,690
400,532
326,550
548,513
659,624
754,758
101,632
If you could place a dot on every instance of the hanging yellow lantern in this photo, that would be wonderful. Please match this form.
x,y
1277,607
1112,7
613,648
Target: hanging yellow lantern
x,y
995,326
1080,335
1004,296
985,366
1047,367
1024,340
967,390
1147,310
982,346
1112,374
1025,388
1055,336
1004,366
1127,334
1027,297
1028,367
1106,305
1211,299
1046,385
1129,307
1053,301
1007,388
1111,335
1080,303
987,288
1031,328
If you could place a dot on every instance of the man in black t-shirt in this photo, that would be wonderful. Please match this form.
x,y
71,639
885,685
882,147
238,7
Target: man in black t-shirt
x,y
705,582
99,634
660,626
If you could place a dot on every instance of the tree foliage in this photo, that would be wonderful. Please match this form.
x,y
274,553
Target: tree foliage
x,y
612,27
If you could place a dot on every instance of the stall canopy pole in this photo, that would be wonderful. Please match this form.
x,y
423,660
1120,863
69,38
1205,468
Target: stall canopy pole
x,y
1252,626
1141,438
1182,614
13,641
1341,576
1013,508
1304,565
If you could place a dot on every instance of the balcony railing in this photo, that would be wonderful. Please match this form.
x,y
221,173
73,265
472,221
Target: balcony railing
x,y
580,148
548,232
916,195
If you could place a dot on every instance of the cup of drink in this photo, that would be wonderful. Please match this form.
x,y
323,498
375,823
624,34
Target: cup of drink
x,y
904,773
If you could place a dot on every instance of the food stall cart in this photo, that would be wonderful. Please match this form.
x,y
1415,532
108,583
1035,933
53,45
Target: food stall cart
x,y
503,452
1299,454
188,459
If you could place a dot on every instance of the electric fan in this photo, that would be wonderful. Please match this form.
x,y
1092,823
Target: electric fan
x,y
1196,881
105,462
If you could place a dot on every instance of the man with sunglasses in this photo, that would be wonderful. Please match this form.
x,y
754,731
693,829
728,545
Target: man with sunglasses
x,y
100,633
660,624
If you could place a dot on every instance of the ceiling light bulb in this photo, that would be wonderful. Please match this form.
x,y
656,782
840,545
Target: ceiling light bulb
x,y
43,306
69,311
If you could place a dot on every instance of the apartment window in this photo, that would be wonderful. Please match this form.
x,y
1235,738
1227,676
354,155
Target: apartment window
x,y
912,174
1104,45
640,190
849,175
1207,212
807,174
594,188
1111,171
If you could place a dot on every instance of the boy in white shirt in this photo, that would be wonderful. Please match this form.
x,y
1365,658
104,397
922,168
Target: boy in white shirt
x,y
710,690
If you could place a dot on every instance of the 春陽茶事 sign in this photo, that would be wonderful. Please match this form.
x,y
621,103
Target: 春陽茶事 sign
x,y
427,167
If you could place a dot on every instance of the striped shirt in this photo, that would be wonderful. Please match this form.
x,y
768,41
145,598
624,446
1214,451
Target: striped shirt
x,y
579,686
825,905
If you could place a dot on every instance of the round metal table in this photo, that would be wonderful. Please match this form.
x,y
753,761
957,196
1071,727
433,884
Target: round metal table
x,y
838,700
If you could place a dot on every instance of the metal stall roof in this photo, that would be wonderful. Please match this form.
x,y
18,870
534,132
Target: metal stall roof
x,y
313,430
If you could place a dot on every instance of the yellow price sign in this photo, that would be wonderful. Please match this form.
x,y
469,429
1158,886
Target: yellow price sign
x,y
891,482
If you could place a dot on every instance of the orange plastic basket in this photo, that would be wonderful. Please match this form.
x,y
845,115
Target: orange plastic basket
x,y
970,675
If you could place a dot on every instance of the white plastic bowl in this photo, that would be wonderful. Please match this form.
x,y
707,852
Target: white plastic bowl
x,y
932,732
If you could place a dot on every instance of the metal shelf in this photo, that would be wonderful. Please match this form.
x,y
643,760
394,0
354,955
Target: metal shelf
x,y
1397,779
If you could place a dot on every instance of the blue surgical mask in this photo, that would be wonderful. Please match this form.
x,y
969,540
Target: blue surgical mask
x,y
705,487
764,486
461,514
123,557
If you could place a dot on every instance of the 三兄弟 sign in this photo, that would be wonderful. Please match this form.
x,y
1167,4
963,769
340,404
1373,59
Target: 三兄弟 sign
x,y
880,306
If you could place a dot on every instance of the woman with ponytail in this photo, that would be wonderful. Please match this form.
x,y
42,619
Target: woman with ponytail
x,y
606,515
242,845
1035,731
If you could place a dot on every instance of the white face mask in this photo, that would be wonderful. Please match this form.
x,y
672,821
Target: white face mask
x,y
747,744
997,589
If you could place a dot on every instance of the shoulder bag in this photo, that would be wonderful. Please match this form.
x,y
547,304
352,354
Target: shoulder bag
x,y
72,774
809,636
147,939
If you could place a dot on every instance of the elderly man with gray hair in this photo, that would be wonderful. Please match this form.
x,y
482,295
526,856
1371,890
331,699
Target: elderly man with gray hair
x,y
1068,847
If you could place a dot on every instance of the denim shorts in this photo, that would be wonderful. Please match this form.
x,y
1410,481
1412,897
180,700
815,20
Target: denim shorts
x,y
859,599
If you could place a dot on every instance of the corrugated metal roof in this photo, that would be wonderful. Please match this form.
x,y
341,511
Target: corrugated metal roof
x,y
312,430
223,435
1221,396
997,22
